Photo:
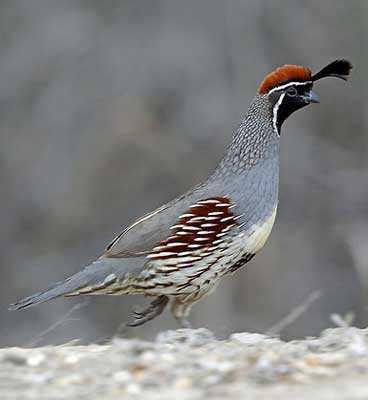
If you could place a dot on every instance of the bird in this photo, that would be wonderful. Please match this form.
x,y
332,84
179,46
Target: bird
x,y
178,253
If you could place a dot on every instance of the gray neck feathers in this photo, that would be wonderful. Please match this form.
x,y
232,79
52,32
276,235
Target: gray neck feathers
x,y
254,141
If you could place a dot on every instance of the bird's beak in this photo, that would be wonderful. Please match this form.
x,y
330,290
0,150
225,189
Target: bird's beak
x,y
311,97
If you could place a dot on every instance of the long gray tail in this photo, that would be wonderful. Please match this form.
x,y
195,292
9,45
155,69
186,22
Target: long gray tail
x,y
98,275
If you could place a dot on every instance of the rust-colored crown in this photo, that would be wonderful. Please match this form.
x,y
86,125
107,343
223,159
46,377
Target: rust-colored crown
x,y
287,73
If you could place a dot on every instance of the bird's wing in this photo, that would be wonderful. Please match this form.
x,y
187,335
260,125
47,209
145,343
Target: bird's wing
x,y
192,220
142,235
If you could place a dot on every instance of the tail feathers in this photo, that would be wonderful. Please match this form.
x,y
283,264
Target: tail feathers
x,y
102,271
52,292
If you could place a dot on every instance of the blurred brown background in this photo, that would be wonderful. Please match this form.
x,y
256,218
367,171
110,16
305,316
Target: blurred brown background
x,y
110,108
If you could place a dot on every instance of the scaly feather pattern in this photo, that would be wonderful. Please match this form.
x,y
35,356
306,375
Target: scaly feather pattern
x,y
198,233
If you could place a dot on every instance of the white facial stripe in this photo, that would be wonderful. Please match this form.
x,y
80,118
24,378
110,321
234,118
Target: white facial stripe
x,y
289,84
275,110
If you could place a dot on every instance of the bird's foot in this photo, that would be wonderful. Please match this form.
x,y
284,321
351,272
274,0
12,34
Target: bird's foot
x,y
153,310
181,310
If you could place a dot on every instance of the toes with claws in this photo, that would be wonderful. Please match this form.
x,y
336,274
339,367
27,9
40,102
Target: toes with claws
x,y
154,309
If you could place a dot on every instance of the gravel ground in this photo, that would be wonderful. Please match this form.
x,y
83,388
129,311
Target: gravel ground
x,y
192,364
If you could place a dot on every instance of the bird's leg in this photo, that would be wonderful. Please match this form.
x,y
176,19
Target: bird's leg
x,y
153,310
181,311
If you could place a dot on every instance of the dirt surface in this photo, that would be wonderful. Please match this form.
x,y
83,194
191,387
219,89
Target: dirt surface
x,y
192,364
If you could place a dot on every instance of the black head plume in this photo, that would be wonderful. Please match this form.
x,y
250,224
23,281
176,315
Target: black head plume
x,y
338,68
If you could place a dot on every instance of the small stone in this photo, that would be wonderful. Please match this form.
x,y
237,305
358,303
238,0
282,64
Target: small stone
x,y
122,376
216,365
252,339
326,359
133,388
183,383
264,363
15,357
138,370
40,378
74,379
36,359
148,357
71,359
283,370
358,345
248,338
133,347
167,357
299,377
332,359
322,371
212,379
192,337
311,360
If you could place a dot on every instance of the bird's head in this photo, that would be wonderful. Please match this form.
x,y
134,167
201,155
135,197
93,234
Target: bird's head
x,y
289,88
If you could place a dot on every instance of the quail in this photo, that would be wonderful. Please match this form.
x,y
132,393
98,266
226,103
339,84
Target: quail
x,y
178,253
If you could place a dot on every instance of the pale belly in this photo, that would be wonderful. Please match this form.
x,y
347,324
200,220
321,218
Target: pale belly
x,y
258,234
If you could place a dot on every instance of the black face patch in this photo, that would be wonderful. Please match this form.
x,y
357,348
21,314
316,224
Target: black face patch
x,y
287,100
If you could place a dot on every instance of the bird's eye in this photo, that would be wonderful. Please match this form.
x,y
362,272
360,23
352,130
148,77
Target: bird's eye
x,y
291,91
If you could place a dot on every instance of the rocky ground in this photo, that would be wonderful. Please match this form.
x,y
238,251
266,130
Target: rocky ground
x,y
192,364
